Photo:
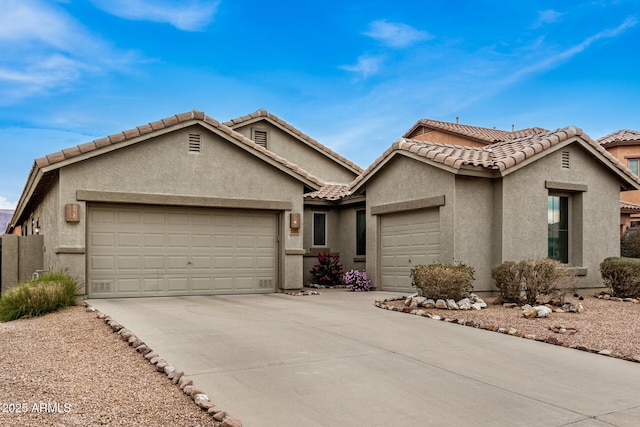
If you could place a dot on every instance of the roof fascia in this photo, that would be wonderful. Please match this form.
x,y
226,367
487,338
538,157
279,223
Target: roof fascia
x,y
32,183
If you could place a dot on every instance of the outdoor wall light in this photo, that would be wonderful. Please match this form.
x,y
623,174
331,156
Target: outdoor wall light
x,y
294,220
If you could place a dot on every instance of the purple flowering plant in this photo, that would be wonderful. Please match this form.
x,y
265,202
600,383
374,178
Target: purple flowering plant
x,y
357,281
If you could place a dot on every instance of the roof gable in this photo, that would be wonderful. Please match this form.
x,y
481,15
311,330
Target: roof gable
x,y
473,133
263,114
496,159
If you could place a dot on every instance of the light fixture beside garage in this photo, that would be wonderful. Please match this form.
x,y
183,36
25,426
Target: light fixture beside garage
x,y
294,223
72,212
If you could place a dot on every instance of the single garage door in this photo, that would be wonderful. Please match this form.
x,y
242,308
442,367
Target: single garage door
x,y
407,239
166,251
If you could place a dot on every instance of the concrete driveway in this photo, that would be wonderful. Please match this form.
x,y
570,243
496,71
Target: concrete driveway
x,y
336,360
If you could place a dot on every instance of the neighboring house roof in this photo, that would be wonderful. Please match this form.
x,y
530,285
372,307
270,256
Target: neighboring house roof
x,y
329,192
43,168
499,158
621,137
277,121
485,135
627,207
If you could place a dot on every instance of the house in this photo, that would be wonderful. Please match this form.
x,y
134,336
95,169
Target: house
x,y
542,194
191,206
624,145
182,206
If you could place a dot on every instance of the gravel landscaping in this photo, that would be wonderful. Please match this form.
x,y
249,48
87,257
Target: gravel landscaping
x,y
70,369
605,326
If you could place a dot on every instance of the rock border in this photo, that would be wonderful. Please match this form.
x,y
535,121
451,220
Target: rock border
x,y
199,398
509,331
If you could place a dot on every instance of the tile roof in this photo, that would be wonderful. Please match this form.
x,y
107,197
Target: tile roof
x,y
621,137
330,192
166,123
499,156
486,135
629,207
264,113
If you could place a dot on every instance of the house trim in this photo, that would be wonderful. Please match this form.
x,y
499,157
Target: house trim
x,y
411,205
565,186
174,200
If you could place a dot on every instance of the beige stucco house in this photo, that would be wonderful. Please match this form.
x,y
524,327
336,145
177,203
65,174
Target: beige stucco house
x,y
191,206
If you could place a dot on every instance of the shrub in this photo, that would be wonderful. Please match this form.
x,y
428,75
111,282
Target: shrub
x,y
328,270
446,281
621,276
51,292
508,281
630,243
357,280
532,279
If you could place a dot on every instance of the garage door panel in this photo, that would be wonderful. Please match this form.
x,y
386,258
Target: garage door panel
x,y
148,251
407,239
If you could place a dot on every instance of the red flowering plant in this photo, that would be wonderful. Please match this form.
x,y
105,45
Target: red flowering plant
x,y
328,271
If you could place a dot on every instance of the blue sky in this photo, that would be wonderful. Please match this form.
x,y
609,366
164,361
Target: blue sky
x,y
354,75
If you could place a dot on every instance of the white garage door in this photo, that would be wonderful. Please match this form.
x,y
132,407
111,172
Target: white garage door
x,y
165,251
407,239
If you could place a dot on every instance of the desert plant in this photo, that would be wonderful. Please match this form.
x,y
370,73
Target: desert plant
x,y
328,270
446,281
51,292
621,276
357,280
508,281
533,279
630,243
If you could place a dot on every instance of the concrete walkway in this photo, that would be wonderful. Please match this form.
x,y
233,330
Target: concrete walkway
x,y
336,360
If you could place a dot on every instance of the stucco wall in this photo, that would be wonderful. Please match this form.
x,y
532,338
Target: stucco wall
x,y
524,214
474,217
623,153
163,165
403,180
295,151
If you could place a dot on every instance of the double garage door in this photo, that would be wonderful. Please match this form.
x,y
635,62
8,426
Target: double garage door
x,y
166,251
407,239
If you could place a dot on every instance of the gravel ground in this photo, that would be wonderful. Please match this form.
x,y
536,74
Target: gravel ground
x,y
604,324
84,375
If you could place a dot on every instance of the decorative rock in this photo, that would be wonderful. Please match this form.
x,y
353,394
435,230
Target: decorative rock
x,y
464,304
605,352
199,398
137,343
441,303
185,383
436,317
176,376
206,405
231,422
478,306
420,300
169,369
512,331
161,365
101,316
188,389
408,301
452,305
132,339
155,360
90,309
543,311
527,306
150,355
429,304
214,410
126,335
530,336
551,340
220,416
530,313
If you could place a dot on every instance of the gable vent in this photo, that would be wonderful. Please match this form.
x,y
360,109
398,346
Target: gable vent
x,y
195,144
565,160
260,137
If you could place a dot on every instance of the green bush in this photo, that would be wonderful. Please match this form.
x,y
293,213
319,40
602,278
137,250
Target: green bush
x,y
446,281
51,292
508,281
532,279
630,243
621,276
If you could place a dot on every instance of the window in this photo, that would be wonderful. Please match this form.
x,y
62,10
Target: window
x,y
361,233
558,226
633,165
319,229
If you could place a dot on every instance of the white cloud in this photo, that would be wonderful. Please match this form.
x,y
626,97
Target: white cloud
x,y
44,48
548,16
396,34
366,66
192,15
6,204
